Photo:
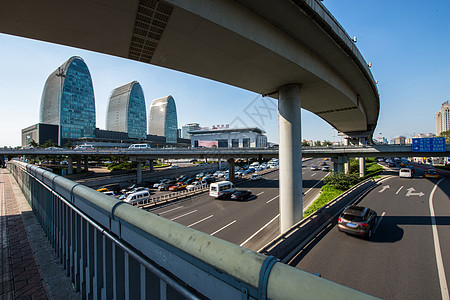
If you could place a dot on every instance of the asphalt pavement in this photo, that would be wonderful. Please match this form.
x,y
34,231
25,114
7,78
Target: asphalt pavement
x,y
404,259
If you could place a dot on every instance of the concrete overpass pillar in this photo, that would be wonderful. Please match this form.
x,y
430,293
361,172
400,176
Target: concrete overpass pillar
x,y
339,164
290,156
219,162
86,163
139,172
362,166
231,169
69,165
347,167
362,160
151,165
78,164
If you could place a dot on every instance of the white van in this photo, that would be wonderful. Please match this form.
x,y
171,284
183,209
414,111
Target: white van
x,y
405,172
85,147
137,197
139,147
221,189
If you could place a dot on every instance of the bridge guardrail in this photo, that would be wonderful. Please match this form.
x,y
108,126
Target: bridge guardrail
x,y
114,250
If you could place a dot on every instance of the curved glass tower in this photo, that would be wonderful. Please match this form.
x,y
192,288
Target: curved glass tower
x,y
163,119
126,111
68,100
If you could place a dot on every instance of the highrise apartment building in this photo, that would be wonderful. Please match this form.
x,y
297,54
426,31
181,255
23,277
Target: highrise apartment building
x,y
163,119
68,101
442,118
126,111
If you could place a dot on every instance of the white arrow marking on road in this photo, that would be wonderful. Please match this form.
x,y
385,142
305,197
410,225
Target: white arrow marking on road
x,y
410,193
384,188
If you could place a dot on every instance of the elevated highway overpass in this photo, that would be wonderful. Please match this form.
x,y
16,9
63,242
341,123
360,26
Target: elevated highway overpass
x,y
294,51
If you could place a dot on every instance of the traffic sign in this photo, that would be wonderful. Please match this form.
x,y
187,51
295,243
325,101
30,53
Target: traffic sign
x,y
436,144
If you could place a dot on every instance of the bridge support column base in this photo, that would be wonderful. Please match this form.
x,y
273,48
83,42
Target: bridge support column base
x,y
69,165
362,166
231,169
139,172
290,156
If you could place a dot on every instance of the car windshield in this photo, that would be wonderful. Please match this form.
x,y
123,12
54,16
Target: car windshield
x,y
353,218
432,172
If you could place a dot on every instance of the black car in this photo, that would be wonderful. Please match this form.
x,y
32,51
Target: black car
x,y
358,220
241,195
391,164
165,186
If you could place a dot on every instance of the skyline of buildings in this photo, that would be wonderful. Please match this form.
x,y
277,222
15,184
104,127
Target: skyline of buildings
x,y
442,118
68,100
163,119
126,111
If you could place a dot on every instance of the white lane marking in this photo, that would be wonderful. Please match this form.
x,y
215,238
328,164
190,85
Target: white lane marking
x,y
316,184
399,190
259,230
260,194
273,199
161,213
379,221
384,188
437,248
199,221
219,230
191,212
313,174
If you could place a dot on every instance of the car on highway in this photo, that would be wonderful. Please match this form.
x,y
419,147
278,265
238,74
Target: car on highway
x,y
109,193
85,147
413,170
196,185
431,173
358,220
156,185
405,172
256,177
323,163
221,189
136,197
314,168
178,187
326,168
166,185
249,171
391,164
241,195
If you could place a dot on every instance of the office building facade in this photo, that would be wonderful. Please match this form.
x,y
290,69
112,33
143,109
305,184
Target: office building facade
x,y
68,101
442,118
163,119
189,127
126,111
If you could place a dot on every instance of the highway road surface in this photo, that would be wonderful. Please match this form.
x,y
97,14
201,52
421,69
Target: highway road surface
x,y
252,223
409,254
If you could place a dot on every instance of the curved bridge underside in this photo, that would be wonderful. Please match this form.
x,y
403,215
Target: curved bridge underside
x,y
255,45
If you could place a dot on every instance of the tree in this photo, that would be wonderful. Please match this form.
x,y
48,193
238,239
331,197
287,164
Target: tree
x,y
305,144
327,143
34,144
49,143
68,145
317,143
445,134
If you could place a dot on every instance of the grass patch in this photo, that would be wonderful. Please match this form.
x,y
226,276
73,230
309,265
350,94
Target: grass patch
x,y
160,165
328,193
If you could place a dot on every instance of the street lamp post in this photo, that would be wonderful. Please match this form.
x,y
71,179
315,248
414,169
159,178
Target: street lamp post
x,y
61,75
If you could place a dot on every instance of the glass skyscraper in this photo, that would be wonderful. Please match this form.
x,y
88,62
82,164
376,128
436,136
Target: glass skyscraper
x,y
126,111
163,119
68,100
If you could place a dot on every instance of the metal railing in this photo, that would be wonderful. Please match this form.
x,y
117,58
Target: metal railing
x,y
112,250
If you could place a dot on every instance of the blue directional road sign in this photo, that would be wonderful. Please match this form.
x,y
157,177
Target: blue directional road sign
x,y
428,144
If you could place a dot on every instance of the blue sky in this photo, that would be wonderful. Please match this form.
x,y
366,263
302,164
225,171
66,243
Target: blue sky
x,y
407,43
